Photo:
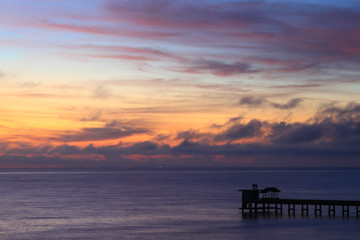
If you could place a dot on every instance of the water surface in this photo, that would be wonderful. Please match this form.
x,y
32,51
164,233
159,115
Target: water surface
x,y
167,204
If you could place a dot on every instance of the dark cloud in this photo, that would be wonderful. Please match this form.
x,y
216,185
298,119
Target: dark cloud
x,y
162,137
256,102
240,131
293,103
190,134
64,149
193,135
336,125
220,68
332,125
296,133
252,101
26,149
231,121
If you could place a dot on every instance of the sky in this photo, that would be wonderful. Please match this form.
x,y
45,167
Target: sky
x,y
206,83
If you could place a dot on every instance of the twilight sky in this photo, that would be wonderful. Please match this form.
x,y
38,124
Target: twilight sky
x,y
179,83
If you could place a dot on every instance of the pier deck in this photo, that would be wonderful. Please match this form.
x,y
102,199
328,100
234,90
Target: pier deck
x,y
276,205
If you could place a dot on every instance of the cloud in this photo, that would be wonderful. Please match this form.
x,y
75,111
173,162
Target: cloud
x,y
190,134
252,101
297,86
121,52
271,37
293,103
101,92
108,132
108,29
351,112
95,116
193,135
31,84
162,137
241,131
330,139
220,68
331,125
171,14
257,102
121,57
296,133
315,27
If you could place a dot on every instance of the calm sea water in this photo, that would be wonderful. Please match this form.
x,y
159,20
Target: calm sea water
x,y
167,204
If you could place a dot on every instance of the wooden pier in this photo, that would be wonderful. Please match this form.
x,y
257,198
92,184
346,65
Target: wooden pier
x,y
271,203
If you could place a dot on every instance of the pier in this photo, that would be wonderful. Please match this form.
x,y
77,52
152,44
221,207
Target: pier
x,y
252,203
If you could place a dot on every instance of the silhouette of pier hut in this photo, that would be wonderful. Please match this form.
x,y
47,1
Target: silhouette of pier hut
x,y
267,200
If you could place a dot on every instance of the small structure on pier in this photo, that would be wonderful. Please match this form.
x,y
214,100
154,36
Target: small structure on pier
x,y
252,202
270,192
253,195
250,195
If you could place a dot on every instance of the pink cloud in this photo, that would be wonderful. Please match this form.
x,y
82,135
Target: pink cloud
x,y
123,52
106,30
121,57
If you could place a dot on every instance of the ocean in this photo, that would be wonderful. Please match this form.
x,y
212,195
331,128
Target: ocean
x,y
164,203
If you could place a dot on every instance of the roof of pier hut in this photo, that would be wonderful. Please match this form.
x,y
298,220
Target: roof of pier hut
x,y
270,189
